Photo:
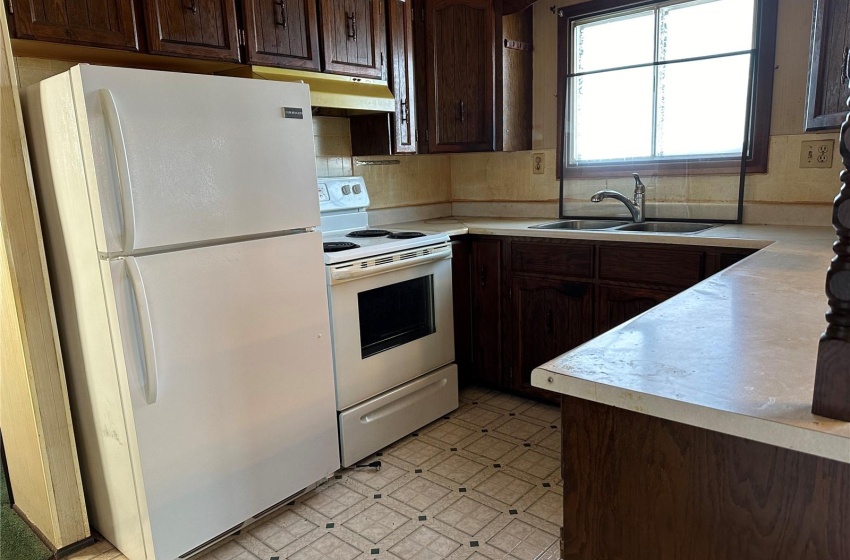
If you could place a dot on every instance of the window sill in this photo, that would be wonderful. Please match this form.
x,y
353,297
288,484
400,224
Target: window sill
x,y
671,169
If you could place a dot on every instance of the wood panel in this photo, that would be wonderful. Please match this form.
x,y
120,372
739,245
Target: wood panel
x,y
668,267
517,80
643,488
193,28
282,33
97,23
570,259
354,37
618,304
36,419
485,311
550,317
826,99
461,300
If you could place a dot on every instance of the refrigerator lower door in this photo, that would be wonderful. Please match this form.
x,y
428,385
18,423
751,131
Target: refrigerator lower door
x,y
230,371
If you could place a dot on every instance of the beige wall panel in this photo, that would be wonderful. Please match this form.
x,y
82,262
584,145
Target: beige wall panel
x,y
30,289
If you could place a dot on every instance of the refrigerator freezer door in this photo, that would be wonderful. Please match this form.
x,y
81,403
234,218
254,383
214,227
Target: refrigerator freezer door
x,y
184,158
231,380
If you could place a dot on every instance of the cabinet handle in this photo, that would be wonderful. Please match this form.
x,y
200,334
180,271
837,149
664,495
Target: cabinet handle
x,y
462,112
483,276
404,110
351,23
550,322
845,66
193,6
282,21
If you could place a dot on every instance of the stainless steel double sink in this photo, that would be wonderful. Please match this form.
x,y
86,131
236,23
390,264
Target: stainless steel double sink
x,y
613,225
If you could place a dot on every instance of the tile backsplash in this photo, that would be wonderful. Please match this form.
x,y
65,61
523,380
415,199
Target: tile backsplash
x,y
332,139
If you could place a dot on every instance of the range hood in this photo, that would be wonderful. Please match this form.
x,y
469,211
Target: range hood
x,y
356,95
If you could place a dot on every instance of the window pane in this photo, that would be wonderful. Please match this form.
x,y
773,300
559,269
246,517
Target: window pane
x,y
702,106
614,42
705,27
612,115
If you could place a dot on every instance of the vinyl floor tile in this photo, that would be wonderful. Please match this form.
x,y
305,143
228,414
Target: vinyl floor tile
x,y
482,483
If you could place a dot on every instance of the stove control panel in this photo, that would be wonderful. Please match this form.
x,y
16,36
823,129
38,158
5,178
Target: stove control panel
x,y
342,193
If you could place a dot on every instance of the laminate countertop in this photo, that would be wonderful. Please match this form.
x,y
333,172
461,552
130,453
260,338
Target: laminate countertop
x,y
734,354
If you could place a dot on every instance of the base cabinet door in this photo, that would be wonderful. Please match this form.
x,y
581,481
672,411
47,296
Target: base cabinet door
x,y
550,317
618,304
485,312
193,28
96,23
283,33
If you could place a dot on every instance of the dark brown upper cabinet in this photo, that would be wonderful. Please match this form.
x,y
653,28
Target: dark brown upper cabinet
x,y
96,23
460,81
353,37
282,33
193,28
393,133
826,103
402,83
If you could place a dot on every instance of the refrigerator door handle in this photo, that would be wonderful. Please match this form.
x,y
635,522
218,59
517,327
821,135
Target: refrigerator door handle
x,y
144,317
122,165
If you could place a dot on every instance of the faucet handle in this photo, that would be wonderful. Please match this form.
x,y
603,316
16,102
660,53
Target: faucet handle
x,y
640,188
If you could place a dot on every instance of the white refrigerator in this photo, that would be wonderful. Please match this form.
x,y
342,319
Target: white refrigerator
x,y
180,214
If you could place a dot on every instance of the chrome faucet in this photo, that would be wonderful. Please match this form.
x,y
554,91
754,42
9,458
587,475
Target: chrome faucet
x,y
636,208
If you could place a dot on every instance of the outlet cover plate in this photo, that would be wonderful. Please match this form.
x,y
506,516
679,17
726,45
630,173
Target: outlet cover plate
x,y
817,153
538,163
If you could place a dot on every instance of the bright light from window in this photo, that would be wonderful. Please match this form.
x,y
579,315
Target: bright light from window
x,y
682,110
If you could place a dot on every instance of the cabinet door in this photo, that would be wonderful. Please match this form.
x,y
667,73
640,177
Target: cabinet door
x,y
461,300
282,33
826,104
193,28
485,312
353,36
96,23
460,46
400,20
550,317
618,304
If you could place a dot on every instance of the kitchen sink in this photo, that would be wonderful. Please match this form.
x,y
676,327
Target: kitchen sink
x,y
667,227
580,224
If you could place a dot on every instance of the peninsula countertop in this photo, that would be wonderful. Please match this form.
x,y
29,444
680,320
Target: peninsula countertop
x,y
734,354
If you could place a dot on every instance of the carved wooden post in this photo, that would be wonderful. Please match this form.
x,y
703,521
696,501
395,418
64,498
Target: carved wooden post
x,y
832,376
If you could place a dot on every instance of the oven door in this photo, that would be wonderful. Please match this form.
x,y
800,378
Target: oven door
x,y
391,319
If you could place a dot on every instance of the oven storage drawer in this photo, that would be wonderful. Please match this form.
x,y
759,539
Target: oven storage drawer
x,y
378,422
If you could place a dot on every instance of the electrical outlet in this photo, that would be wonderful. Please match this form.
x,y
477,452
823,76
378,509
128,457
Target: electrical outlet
x,y
538,162
817,154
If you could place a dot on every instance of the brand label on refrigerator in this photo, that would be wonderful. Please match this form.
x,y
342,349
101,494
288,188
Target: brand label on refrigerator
x,y
293,113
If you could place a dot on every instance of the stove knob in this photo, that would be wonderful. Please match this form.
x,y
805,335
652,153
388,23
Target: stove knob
x,y
357,189
346,189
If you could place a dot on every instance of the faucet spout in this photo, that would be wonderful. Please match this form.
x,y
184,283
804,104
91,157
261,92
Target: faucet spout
x,y
637,208
633,210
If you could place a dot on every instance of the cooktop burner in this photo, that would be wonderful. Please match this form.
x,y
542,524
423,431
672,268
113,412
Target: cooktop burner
x,y
369,233
406,234
335,246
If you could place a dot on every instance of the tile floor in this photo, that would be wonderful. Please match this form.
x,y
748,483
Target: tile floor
x,y
482,483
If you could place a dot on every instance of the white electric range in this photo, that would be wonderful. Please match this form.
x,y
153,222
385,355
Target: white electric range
x,y
390,295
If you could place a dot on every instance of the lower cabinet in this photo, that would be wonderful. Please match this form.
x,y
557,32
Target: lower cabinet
x,y
521,302
549,316
618,304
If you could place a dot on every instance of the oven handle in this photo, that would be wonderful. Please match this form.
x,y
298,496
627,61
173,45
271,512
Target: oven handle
x,y
349,272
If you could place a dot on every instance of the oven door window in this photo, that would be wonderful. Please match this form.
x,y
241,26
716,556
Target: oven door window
x,y
396,314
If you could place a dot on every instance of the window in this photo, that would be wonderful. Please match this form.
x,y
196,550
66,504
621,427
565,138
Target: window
x,y
665,86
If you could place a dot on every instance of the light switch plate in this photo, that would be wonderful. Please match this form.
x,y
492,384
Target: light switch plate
x,y
538,163
817,153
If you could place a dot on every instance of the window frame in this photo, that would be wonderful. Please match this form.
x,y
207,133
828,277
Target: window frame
x,y
761,98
